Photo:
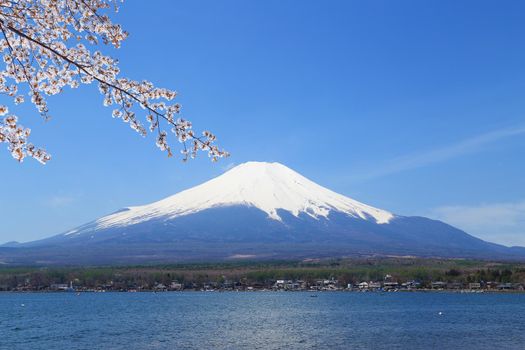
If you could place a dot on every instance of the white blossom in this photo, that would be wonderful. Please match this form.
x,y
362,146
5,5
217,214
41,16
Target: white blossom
x,y
45,45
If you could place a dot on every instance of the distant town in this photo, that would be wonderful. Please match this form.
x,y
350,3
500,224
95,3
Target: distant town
x,y
361,275
388,285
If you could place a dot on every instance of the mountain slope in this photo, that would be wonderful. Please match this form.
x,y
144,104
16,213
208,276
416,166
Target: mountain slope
x,y
267,186
255,210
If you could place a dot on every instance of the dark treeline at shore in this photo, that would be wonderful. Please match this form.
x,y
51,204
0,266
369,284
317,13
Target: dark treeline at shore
x,y
264,275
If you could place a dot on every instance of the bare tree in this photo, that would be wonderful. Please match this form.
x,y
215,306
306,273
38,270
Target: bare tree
x,y
46,47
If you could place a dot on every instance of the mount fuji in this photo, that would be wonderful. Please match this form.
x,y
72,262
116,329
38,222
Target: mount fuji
x,y
256,210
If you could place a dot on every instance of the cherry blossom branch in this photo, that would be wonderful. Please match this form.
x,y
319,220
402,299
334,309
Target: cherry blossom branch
x,y
35,35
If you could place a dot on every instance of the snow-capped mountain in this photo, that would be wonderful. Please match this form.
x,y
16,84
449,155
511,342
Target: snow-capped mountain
x,y
256,210
269,187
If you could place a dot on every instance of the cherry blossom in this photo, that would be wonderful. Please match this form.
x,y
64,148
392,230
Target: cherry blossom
x,y
46,46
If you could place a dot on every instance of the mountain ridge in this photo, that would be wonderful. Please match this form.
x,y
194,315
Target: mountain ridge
x,y
257,210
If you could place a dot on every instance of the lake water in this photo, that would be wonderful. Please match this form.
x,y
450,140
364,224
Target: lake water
x,y
262,320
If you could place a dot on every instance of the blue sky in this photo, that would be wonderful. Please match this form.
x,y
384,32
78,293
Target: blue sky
x,y
415,107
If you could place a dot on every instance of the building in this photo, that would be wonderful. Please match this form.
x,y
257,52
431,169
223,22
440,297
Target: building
x,y
284,285
504,286
411,285
374,285
363,285
439,285
474,285
63,286
390,285
176,286
159,286
455,285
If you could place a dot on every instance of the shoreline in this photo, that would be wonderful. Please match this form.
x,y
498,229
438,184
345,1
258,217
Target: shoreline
x,y
462,291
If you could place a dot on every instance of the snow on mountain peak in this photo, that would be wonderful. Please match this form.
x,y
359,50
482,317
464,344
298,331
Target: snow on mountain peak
x,y
267,186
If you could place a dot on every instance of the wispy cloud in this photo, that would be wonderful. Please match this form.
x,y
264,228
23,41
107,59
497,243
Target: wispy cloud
x,y
461,148
497,222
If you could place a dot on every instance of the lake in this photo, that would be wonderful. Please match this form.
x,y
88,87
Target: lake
x,y
261,320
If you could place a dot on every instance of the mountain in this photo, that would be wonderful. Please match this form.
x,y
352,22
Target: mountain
x,y
11,244
256,210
